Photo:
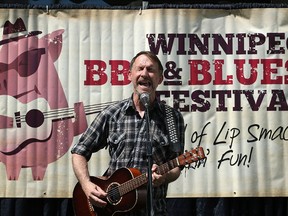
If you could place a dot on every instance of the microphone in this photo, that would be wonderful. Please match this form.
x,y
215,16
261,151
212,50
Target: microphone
x,y
145,99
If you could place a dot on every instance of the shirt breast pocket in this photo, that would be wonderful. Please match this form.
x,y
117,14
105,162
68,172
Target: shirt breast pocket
x,y
116,143
160,147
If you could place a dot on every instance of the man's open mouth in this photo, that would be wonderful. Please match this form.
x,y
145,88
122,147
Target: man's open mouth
x,y
145,83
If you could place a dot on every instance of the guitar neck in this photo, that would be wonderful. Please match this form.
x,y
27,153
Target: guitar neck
x,y
188,157
142,179
166,167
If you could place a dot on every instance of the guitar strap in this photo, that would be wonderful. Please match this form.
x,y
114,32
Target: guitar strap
x,y
173,133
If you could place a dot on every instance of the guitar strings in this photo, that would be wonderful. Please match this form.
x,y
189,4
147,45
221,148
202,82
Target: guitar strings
x,y
139,180
68,112
127,186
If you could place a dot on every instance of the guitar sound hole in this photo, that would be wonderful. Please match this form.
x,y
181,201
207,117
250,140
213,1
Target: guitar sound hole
x,y
113,194
34,118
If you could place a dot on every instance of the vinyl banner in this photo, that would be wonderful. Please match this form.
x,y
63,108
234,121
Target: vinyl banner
x,y
225,70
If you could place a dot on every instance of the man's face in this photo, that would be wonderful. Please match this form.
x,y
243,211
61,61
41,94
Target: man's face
x,y
145,75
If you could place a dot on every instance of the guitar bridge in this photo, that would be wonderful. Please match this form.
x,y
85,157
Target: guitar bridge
x,y
18,119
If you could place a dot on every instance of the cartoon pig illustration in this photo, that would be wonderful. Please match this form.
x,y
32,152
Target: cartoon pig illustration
x,y
36,125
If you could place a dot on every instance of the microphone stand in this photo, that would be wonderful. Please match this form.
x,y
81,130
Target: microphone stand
x,y
150,161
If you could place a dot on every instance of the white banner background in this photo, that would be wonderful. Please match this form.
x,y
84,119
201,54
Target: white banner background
x,y
251,163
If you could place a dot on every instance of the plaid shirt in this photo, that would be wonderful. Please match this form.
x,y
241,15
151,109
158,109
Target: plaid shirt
x,y
120,128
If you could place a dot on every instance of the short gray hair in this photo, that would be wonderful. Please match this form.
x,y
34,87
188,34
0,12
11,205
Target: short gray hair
x,y
151,56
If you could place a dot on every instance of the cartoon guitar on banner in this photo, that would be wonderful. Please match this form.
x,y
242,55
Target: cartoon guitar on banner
x,y
125,187
33,121
37,127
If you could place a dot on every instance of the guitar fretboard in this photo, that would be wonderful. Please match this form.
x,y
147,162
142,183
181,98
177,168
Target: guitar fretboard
x,y
142,179
184,159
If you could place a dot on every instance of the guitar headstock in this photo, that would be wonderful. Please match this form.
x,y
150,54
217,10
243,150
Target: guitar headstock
x,y
191,156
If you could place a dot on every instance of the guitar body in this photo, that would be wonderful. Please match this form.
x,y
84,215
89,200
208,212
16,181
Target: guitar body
x,y
126,187
116,205
18,125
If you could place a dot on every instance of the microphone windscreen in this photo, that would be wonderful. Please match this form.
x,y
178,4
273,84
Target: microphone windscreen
x,y
145,99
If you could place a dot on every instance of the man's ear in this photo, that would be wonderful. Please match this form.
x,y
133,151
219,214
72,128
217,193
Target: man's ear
x,y
129,75
161,79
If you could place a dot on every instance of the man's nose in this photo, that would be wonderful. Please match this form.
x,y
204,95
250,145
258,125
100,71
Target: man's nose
x,y
144,72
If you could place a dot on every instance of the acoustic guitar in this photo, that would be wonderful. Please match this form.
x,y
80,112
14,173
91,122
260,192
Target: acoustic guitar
x,y
126,190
